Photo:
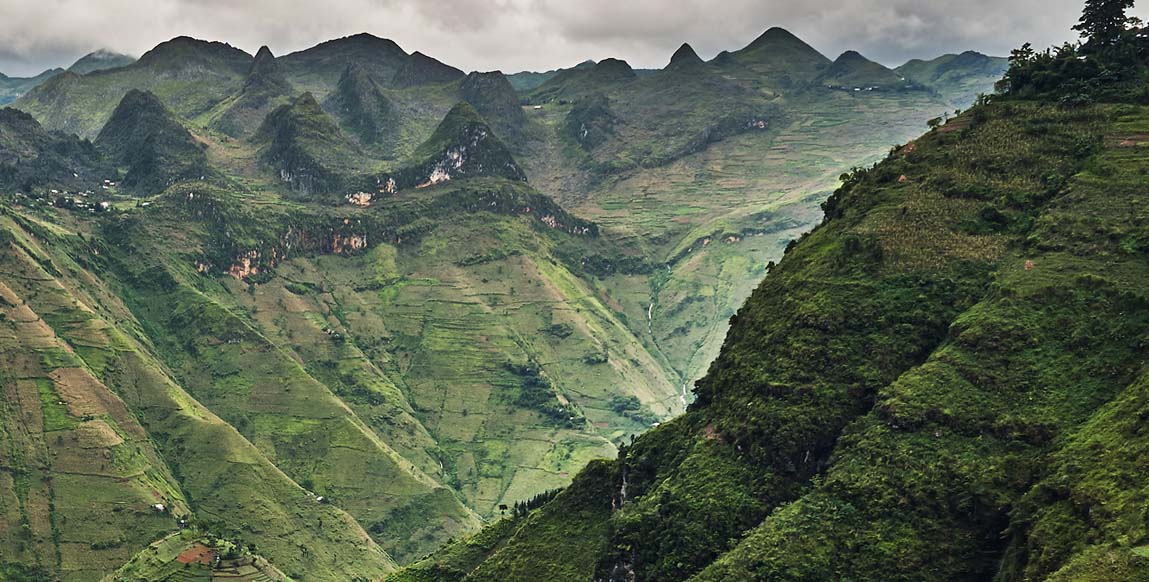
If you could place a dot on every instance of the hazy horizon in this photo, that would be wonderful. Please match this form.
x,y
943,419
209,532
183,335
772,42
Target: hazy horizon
x,y
532,35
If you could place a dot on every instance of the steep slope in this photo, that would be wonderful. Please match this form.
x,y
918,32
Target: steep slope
x,y
960,78
189,76
72,450
994,378
12,88
146,138
420,69
77,341
852,71
463,146
780,56
264,89
685,58
318,69
223,357
306,149
1017,380
363,110
100,60
191,554
496,101
33,159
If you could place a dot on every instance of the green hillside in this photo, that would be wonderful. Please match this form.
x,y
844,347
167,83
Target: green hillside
x,y
155,148
940,382
463,146
12,88
853,72
318,68
421,69
529,80
582,81
189,76
264,89
33,159
779,56
98,508
302,143
495,100
960,77
359,304
363,110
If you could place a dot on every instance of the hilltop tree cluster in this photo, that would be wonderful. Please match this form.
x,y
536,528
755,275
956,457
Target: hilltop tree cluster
x,y
522,508
1110,64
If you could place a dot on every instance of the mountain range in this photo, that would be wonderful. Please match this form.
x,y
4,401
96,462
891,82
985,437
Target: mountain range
x,y
320,314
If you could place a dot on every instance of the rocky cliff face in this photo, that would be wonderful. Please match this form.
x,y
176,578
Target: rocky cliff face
x,y
463,146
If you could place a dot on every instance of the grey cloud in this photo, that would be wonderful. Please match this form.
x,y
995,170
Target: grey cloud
x,y
531,34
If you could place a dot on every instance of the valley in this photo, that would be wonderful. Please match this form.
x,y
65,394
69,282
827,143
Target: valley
x,y
341,307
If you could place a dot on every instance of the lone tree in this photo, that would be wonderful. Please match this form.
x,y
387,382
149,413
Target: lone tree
x,y
1102,22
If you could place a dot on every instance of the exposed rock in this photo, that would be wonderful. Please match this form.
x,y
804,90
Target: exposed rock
x,y
463,146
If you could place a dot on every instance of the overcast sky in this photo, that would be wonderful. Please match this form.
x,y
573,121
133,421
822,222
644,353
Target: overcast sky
x,y
514,35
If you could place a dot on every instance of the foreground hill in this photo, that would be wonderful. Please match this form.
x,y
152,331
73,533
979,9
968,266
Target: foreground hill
x,y
920,390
